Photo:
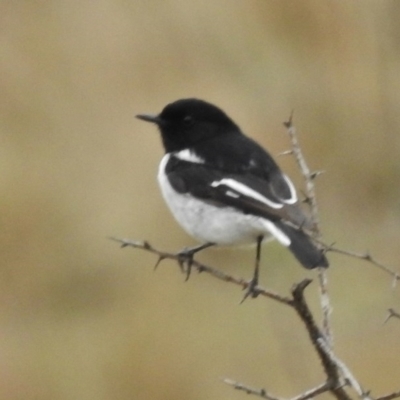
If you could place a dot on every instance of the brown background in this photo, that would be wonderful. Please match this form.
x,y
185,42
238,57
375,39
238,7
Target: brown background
x,y
82,319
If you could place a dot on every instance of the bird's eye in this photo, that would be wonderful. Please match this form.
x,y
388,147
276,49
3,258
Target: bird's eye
x,y
188,120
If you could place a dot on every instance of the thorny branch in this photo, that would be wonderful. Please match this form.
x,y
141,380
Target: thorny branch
x,y
307,174
337,373
222,276
249,390
366,257
308,394
326,342
309,177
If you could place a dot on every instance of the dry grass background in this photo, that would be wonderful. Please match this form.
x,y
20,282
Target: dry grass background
x,y
82,319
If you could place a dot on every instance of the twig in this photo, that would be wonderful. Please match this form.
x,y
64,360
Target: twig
x,y
390,396
324,387
333,373
308,394
346,374
249,390
307,174
312,201
216,273
337,371
366,257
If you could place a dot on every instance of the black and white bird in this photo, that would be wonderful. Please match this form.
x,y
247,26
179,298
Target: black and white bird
x,y
223,188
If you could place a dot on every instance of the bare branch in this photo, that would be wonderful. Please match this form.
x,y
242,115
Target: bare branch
x,y
338,374
286,153
325,305
312,201
306,172
308,394
345,372
216,273
317,339
365,257
390,396
249,390
324,387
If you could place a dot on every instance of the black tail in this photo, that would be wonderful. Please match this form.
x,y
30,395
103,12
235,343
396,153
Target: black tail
x,y
302,247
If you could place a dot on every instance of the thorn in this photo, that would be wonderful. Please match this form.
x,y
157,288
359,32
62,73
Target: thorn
x,y
188,269
330,246
200,269
347,381
387,318
286,153
315,174
289,123
367,256
306,199
391,313
396,277
365,395
325,250
160,259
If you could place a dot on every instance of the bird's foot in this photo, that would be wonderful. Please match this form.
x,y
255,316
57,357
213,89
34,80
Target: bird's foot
x,y
185,261
186,257
251,289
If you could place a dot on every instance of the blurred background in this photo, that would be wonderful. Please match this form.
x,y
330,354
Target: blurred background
x,y
82,319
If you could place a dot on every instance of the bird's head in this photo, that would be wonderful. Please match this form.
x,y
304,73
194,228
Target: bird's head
x,y
187,122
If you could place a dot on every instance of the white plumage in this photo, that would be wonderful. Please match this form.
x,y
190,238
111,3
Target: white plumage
x,y
209,223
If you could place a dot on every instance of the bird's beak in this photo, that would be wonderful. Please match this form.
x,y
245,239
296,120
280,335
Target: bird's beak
x,y
155,119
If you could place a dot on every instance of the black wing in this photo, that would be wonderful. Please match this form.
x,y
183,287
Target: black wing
x,y
269,194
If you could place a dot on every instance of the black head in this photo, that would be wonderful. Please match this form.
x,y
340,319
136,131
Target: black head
x,y
186,122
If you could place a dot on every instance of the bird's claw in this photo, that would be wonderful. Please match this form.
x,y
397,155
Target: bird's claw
x,y
251,290
185,261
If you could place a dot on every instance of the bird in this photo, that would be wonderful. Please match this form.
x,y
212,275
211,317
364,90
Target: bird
x,y
223,188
